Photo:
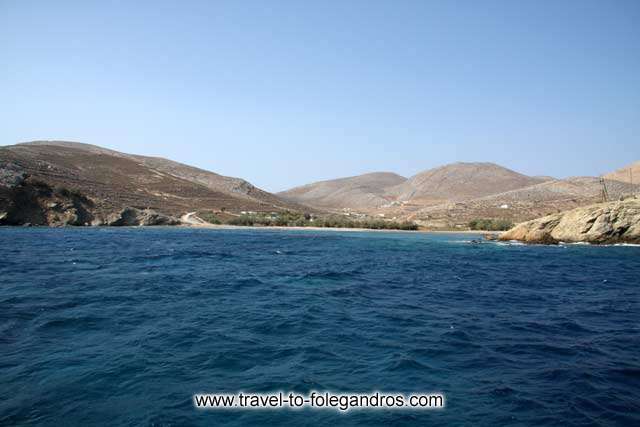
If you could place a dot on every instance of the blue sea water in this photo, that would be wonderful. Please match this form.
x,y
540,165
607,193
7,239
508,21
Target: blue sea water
x,y
121,326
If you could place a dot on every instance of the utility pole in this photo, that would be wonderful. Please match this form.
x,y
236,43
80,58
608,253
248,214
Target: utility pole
x,y
604,192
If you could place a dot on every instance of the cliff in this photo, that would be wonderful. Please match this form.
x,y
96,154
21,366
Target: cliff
x,y
602,223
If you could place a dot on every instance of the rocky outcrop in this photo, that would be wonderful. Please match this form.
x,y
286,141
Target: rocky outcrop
x,y
134,217
602,223
11,175
33,202
27,201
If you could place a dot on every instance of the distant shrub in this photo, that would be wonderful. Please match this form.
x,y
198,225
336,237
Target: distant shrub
x,y
69,192
245,220
490,224
210,217
295,219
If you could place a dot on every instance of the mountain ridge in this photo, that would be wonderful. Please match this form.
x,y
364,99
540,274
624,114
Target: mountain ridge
x,y
69,182
452,195
352,192
63,179
461,180
454,181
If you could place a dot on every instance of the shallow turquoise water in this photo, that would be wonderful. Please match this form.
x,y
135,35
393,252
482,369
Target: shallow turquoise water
x,y
122,326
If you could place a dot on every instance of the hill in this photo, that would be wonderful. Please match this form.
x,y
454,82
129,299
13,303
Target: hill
x,y
629,173
45,176
524,203
375,191
360,192
460,181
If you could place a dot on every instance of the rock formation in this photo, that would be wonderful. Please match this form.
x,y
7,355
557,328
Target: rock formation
x,y
602,223
29,201
133,216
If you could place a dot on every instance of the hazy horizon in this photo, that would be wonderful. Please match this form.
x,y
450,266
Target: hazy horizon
x,y
290,93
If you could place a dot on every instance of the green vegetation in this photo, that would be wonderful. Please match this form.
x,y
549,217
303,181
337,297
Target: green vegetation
x,y
295,219
338,221
210,217
490,224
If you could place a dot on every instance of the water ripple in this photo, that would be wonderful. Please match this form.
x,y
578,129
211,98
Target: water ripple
x,y
122,326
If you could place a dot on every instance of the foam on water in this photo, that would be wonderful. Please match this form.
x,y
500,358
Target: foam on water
x,y
122,326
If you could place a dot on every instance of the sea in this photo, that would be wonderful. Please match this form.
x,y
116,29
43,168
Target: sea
x,y
122,326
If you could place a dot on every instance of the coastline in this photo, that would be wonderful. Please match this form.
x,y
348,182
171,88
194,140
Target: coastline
x,y
263,227
275,227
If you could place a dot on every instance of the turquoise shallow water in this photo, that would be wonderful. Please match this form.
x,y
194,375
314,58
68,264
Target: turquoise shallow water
x,y
121,326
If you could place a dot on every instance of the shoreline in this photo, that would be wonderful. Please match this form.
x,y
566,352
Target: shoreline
x,y
261,227
328,229
276,227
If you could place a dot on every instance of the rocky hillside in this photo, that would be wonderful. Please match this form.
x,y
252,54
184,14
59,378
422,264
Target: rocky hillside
x,y
451,196
70,183
357,192
612,222
525,203
629,174
460,181
375,192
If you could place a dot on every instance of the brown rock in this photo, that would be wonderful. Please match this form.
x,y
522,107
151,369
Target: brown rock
x,y
612,222
135,217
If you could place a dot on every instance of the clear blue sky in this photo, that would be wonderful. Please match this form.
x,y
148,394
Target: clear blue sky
x,y
283,93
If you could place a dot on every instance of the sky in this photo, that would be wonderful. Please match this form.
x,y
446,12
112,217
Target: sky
x,y
283,93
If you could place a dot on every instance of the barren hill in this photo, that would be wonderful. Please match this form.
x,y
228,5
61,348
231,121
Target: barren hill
x,y
460,181
357,192
214,181
109,181
630,173
525,203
